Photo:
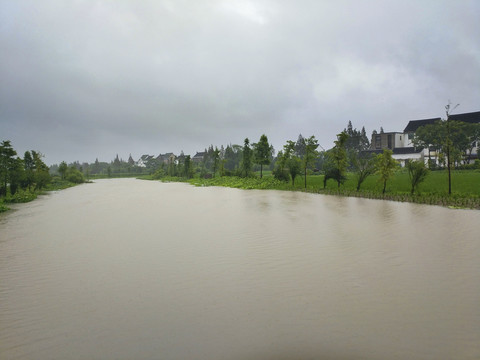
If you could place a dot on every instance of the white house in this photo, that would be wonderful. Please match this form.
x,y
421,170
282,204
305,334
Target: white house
x,y
401,142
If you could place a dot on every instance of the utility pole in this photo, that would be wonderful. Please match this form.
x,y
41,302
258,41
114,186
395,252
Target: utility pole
x,y
449,144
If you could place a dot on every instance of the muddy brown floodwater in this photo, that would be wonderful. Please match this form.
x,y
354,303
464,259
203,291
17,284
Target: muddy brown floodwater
x,y
131,269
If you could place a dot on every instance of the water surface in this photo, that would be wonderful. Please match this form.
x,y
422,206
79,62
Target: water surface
x,y
131,269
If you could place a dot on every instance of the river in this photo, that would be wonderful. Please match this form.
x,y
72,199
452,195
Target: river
x,y
132,269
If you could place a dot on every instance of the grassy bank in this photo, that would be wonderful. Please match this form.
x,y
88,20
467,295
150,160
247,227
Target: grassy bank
x,y
434,191
24,196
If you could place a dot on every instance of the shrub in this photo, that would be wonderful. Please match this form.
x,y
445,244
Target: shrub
x,y
281,174
75,176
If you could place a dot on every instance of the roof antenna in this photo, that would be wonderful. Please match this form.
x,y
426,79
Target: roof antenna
x,y
447,108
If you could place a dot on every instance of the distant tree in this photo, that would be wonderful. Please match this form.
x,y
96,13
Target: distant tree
x,y
130,161
246,159
300,146
385,167
187,167
331,171
417,172
17,176
364,142
223,161
42,176
116,161
472,134
310,155
450,139
74,175
215,160
29,166
62,169
290,161
262,152
429,137
280,172
8,165
96,167
364,166
294,167
338,159
232,157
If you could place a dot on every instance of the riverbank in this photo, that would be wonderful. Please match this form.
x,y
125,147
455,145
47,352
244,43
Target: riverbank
x,y
466,184
25,196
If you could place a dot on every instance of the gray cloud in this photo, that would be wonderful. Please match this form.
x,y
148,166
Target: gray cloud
x,y
87,79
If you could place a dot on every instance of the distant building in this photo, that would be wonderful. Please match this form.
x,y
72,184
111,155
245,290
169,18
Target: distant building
x,y
401,143
144,160
166,158
199,156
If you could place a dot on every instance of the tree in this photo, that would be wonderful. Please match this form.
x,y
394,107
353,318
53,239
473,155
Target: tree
x,y
300,146
364,166
310,155
364,142
73,175
8,164
338,159
294,164
450,139
280,172
17,175
246,158
62,169
290,161
262,153
417,172
42,176
233,156
130,161
385,166
215,160
187,167
29,166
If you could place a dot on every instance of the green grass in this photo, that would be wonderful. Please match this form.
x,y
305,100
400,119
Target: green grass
x,y
3,207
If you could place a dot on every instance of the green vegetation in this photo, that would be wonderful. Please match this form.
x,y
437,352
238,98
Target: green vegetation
x,y
385,167
263,153
433,190
356,170
22,180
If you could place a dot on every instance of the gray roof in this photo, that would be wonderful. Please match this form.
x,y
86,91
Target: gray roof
x,y
413,125
472,118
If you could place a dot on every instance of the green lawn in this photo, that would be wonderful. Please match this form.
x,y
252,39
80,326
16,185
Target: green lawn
x,y
464,182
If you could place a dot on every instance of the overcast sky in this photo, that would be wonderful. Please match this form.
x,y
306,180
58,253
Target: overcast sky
x,y
81,80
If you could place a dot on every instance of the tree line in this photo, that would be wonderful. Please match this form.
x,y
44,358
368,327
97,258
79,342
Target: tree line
x,y
29,172
350,154
449,143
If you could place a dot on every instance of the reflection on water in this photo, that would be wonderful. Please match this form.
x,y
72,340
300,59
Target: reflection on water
x,y
129,269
